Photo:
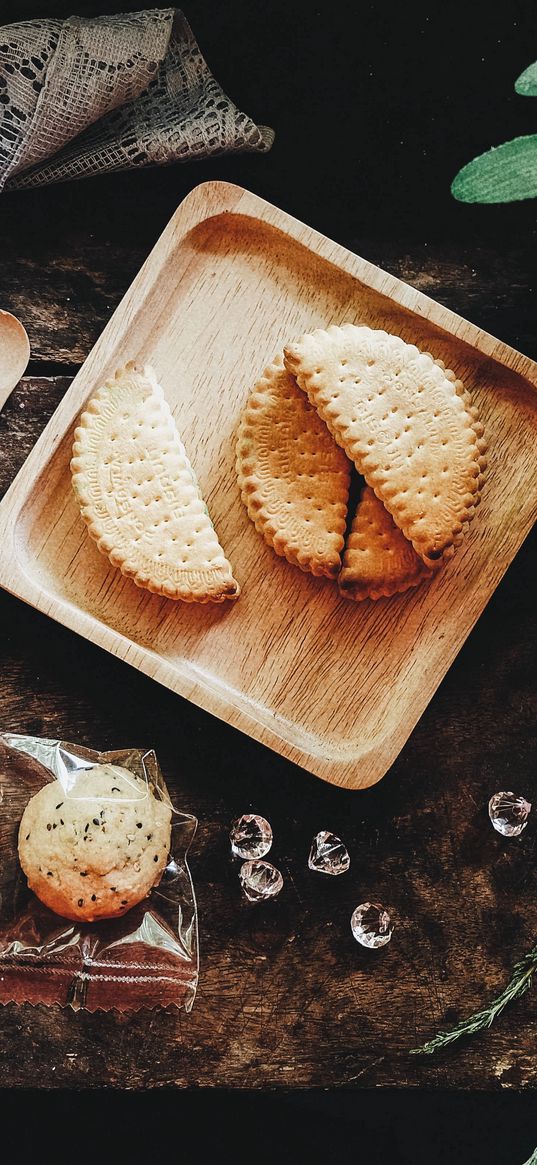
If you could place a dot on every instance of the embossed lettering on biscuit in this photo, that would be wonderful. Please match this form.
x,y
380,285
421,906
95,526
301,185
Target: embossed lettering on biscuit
x,y
378,560
294,479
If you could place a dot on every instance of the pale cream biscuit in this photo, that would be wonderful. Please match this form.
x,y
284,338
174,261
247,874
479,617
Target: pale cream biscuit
x,y
294,479
378,560
96,849
139,496
405,421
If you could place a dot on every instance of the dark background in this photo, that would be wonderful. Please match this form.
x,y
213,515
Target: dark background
x,y
373,1128
375,106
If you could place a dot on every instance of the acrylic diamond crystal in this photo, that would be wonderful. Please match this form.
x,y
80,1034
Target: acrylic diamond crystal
x,y
371,925
260,881
328,854
509,813
250,836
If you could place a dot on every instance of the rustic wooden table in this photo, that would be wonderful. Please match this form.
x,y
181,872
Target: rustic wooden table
x,y
286,998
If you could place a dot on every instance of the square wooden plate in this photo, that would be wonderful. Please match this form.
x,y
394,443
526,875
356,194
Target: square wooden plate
x,y
333,685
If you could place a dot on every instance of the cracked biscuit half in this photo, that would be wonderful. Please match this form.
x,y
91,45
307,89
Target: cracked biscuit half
x,y
405,421
378,560
138,494
294,478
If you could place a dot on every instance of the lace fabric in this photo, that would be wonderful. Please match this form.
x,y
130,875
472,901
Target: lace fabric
x,y
85,96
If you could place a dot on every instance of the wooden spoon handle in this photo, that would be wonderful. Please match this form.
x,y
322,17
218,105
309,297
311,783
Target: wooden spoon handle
x,y
14,354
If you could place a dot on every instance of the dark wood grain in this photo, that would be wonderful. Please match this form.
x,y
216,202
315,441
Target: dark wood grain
x,y
365,151
65,286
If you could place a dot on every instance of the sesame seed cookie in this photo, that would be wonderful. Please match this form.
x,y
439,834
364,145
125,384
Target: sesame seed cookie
x,y
97,849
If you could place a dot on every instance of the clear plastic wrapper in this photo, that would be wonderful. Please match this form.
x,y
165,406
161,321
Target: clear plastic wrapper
x,y
148,957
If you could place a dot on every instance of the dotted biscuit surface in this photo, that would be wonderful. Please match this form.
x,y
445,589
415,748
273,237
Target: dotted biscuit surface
x,y
378,559
97,849
293,477
139,496
405,421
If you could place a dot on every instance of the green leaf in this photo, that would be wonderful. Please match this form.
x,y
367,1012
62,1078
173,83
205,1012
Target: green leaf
x,y
533,1158
526,84
506,173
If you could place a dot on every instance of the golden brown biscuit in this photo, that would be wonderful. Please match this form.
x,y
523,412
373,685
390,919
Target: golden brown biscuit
x,y
407,424
378,560
294,479
139,496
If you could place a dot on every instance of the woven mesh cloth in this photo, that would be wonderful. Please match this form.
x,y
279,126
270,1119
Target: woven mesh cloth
x,y
87,96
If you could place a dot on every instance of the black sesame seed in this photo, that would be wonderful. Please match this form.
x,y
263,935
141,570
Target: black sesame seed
x,y
149,836
49,874
49,826
60,805
124,902
113,889
96,821
87,827
55,826
155,859
27,836
115,789
80,901
83,873
139,824
93,897
62,822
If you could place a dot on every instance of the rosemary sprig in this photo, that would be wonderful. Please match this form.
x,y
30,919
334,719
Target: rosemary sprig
x,y
519,983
